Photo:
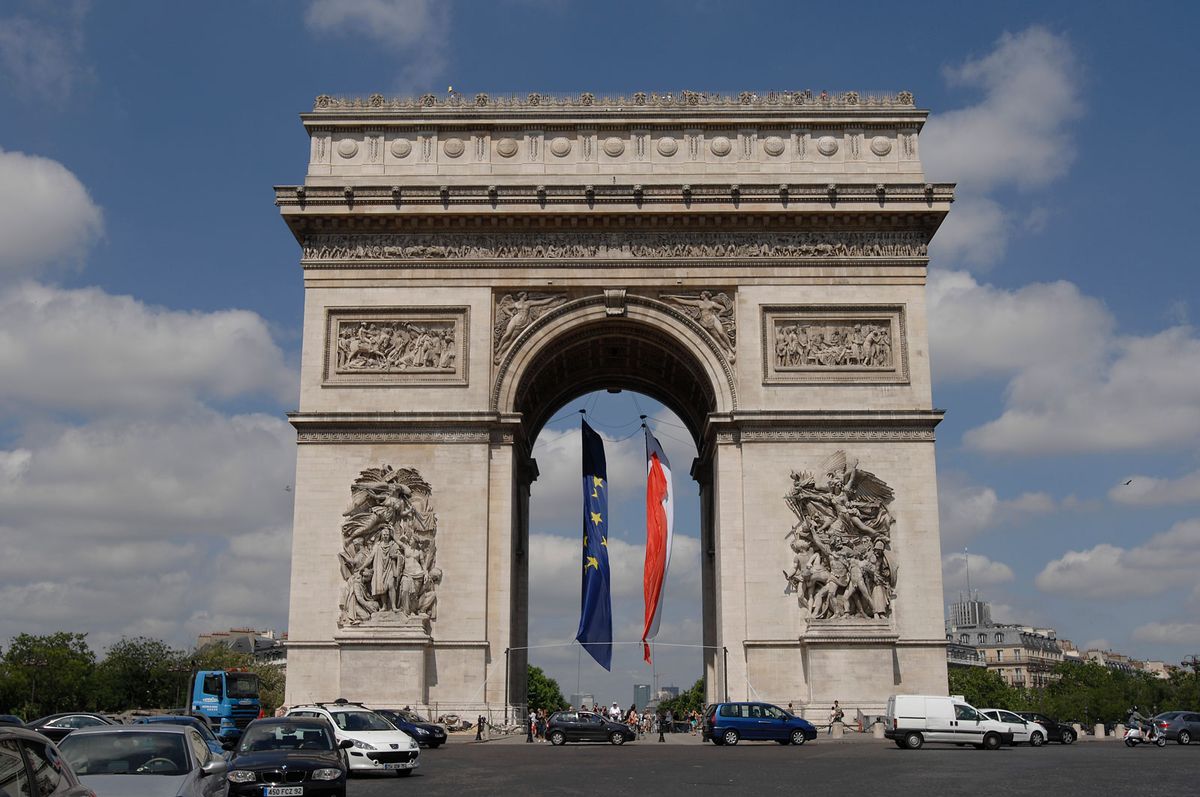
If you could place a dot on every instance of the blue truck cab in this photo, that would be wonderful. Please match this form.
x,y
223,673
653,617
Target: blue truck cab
x,y
228,699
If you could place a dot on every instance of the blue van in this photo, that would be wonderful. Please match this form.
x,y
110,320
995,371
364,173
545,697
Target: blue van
x,y
729,723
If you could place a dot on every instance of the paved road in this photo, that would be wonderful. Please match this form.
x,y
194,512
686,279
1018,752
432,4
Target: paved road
x,y
1087,769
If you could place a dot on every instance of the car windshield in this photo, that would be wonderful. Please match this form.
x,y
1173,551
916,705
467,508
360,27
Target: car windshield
x,y
126,753
280,736
361,721
409,716
241,685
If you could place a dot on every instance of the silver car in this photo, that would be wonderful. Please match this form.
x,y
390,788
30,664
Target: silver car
x,y
145,761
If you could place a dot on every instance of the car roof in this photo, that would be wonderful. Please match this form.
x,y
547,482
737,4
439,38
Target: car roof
x,y
311,722
16,732
163,727
167,718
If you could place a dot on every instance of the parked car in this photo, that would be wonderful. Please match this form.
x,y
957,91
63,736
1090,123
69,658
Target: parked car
x,y
56,727
728,723
12,719
425,732
199,723
1024,731
912,720
378,745
586,726
141,761
1056,731
27,756
1179,726
289,756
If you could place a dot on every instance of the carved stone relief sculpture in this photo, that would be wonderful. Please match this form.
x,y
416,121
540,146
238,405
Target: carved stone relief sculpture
x,y
389,548
713,312
834,343
841,545
514,313
397,346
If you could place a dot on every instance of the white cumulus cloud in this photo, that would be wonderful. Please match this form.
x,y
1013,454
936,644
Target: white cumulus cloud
x,y
1168,633
1167,561
984,572
1150,491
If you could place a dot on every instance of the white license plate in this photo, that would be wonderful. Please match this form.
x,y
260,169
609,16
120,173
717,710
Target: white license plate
x,y
282,791
399,765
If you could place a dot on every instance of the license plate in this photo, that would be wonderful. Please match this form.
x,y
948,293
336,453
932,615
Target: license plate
x,y
399,765
282,791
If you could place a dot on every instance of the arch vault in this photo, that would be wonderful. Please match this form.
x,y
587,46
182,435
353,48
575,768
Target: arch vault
x,y
756,263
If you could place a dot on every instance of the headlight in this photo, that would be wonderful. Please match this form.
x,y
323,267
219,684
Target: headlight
x,y
363,745
422,731
412,744
327,774
240,776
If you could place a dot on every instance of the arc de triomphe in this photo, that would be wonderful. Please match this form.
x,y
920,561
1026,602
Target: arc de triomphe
x,y
756,262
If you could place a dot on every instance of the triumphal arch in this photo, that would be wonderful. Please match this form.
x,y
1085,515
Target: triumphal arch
x,y
757,262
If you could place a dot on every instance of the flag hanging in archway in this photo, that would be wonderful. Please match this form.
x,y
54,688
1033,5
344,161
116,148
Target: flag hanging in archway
x,y
595,611
660,518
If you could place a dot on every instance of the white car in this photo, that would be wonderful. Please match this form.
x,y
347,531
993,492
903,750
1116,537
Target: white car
x,y
378,745
1024,731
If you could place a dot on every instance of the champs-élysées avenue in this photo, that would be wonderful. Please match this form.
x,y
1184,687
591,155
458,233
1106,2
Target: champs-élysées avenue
x,y
408,387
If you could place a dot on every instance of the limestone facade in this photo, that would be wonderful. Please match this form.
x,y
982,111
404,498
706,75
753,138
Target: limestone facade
x,y
757,262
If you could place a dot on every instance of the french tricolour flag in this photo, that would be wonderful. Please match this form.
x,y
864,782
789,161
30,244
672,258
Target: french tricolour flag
x,y
660,517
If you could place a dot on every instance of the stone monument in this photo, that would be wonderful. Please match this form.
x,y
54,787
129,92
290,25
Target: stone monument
x,y
757,262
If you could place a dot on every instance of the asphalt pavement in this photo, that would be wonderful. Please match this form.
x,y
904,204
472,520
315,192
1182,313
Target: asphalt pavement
x,y
850,766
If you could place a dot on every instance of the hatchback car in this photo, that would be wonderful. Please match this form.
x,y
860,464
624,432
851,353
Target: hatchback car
x,y
378,746
28,758
1056,731
1179,726
1023,731
56,727
286,756
730,723
145,760
425,732
586,726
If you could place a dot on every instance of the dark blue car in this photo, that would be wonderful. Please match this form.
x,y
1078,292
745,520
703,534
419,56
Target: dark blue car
x,y
730,723
426,733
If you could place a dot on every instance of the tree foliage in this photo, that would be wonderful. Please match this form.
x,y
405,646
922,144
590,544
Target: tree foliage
x,y
544,691
981,687
685,702
47,674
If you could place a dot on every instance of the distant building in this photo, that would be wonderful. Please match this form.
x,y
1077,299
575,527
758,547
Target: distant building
x,y
667,692
582,700
265,646
641,695
1023,656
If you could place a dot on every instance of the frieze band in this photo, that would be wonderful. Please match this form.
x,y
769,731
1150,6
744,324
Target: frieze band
x,y
614,246
397,346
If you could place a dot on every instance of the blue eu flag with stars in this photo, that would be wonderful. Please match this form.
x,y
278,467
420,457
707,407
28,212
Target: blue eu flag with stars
x,y
595,614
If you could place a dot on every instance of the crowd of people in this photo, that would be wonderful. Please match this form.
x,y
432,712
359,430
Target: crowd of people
x,y
640,722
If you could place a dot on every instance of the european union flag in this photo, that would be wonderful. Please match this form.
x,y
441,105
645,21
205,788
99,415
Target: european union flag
x,y
595,615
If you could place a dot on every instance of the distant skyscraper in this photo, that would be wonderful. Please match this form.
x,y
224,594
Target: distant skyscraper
x,y
641,695
970,611
582,700
668,692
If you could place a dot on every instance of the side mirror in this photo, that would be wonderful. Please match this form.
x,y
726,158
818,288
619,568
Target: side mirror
x,y
345,744
217,766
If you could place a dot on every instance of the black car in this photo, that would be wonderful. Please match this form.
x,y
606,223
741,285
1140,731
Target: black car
x,y
425,732
57,726
285,756
27,757
1055,731
584,726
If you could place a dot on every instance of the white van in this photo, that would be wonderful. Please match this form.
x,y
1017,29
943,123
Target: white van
x,y
912,720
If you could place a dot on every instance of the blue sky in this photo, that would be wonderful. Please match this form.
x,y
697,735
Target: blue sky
x,y
150,297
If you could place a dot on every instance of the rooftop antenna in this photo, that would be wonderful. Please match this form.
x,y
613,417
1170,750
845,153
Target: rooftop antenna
x,y
967,562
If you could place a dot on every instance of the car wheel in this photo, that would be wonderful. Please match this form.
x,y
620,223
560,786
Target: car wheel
x,y
914,740
617,738
798,737
1184,737
557,738
1068,737
1036,739
434,745
991,741
1161,741
730,738
1130,743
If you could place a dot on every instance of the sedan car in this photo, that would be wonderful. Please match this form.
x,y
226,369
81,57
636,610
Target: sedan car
x,y
187,720
56,726
25,755
141,761
1024,731
1179,726
586,726
1056,731
286,756
729,723
425,732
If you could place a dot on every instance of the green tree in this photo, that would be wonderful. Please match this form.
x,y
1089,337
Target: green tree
x,y
139,673
685,702
982,687
544,691
50,673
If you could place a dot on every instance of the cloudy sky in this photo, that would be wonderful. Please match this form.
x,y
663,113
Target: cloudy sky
x,y
150,297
